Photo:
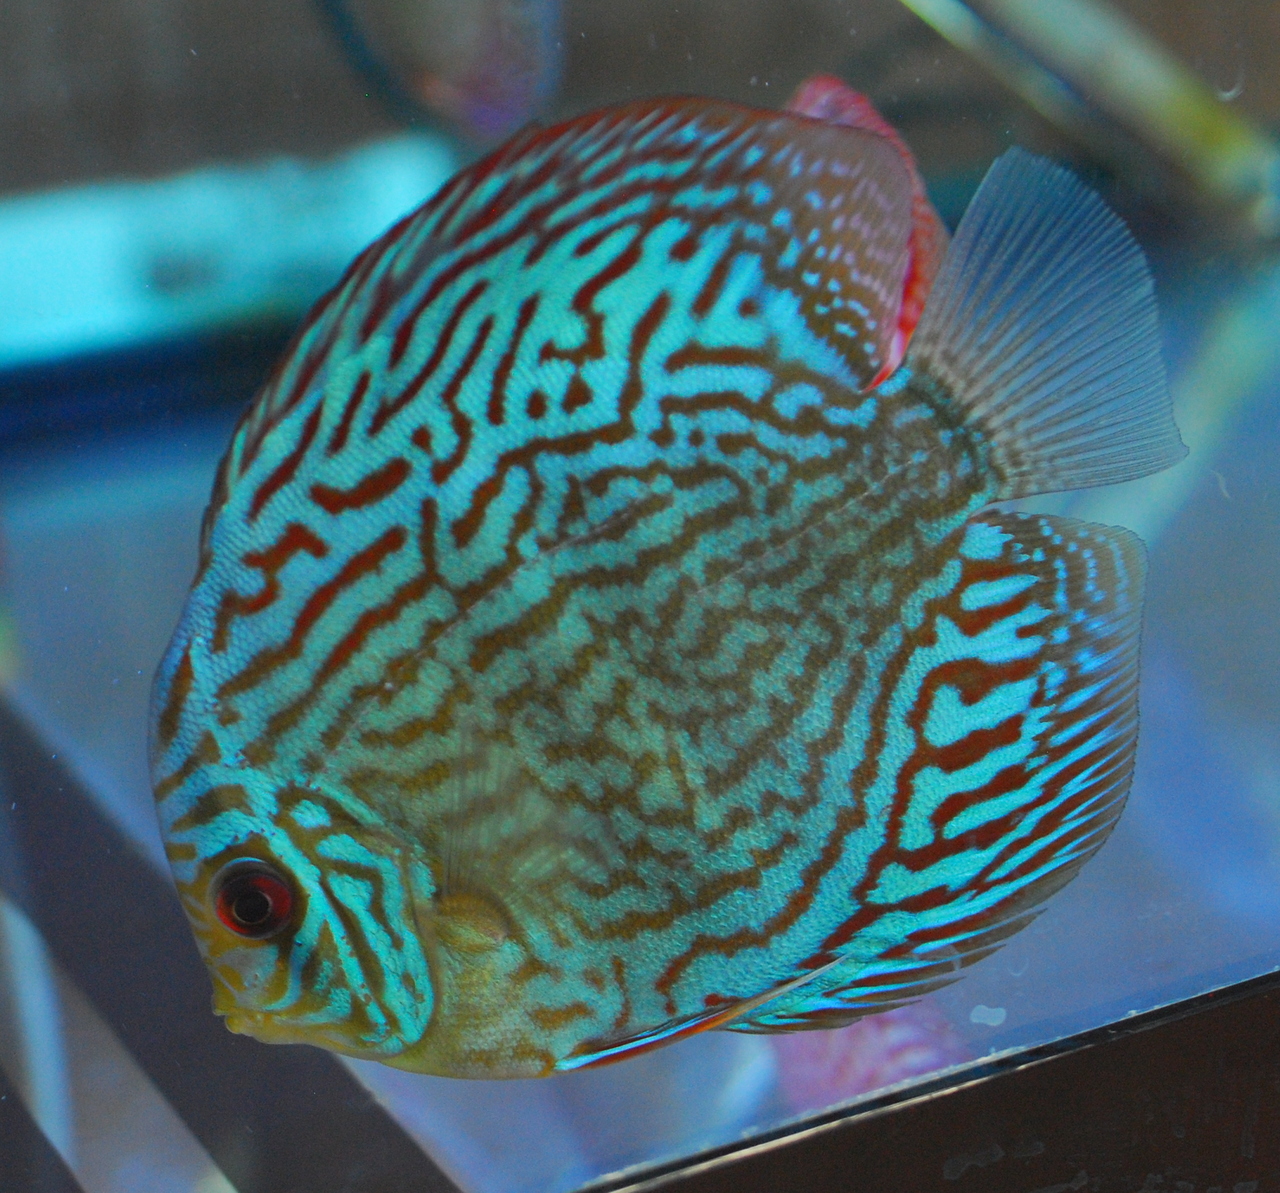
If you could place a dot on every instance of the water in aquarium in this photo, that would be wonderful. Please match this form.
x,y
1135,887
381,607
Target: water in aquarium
x,y
585,583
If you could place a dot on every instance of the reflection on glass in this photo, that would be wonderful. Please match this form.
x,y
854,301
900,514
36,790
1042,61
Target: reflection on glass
x,y
99,1110
98,537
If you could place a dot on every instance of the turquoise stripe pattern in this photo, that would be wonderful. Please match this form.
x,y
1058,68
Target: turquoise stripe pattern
x,y
583,653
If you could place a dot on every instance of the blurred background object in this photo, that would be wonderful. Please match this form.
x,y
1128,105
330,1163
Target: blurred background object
x,y
108,265
171,170
1105,81
817,1069
485,66
140,89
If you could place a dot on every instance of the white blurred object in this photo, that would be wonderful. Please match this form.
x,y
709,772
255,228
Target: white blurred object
x,y
111,265
38,1060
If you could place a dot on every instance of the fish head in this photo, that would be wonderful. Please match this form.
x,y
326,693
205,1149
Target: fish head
x,y
317,929
301,898
304,917
427,929
321,924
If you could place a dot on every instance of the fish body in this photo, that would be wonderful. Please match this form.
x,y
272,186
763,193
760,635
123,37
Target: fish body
x,y
588,648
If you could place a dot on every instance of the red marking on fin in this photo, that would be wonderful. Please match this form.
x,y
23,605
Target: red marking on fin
x,y
591,1054
827,98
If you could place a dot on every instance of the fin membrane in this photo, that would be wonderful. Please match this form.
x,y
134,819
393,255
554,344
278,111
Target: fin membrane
x,y
1025,736
1041,326
824,97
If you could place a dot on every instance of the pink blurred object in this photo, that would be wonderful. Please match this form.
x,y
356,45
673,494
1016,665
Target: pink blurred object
x,y
819,1068
827,98
501,71
486,66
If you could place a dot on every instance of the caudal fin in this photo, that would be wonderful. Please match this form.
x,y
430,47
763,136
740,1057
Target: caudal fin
x,y
1041,326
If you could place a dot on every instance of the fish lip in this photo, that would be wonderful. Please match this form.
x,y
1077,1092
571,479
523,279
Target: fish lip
x,y
266,1029
239,1021
256,1025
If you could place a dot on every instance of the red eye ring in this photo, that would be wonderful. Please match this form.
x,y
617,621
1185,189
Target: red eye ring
x,y
253,900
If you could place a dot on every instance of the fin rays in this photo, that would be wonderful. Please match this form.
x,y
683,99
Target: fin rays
x,y
979,864
1042,328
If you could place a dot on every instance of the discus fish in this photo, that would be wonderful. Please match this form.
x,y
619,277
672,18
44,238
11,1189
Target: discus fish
x,y
587,649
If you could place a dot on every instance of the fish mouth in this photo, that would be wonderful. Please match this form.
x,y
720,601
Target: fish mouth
x,y
307,1025
272,1029
267,1028
251,1023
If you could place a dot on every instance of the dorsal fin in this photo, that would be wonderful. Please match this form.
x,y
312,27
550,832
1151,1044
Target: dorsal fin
x,y
1026,736
824,97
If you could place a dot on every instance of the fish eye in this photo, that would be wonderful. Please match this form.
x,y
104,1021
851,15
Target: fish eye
x,y
253,899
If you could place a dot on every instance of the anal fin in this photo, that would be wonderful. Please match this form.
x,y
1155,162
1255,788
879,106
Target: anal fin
x,y
1025,725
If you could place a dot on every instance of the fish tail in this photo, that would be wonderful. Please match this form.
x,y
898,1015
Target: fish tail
x,y
1041,327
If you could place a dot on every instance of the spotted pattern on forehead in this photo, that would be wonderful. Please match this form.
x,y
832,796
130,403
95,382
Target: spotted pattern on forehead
x,y
573,624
